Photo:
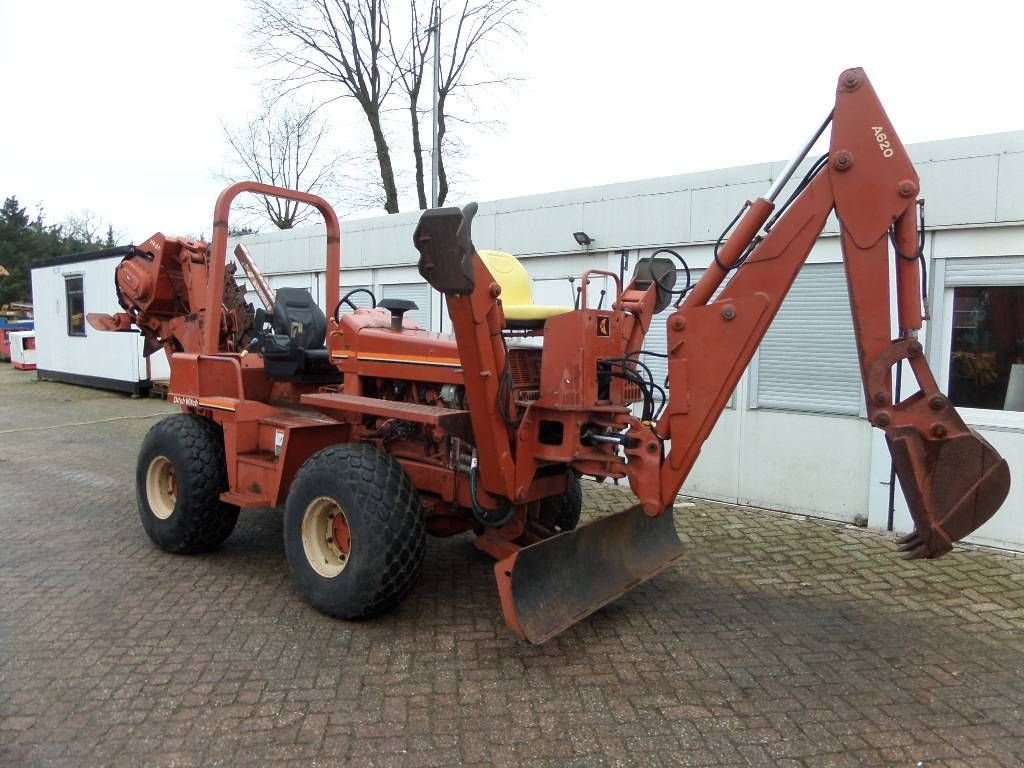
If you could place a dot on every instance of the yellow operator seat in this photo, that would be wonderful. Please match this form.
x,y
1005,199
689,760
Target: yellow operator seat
x,y
517,291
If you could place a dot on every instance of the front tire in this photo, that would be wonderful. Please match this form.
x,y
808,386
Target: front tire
x,y
353,531
179,478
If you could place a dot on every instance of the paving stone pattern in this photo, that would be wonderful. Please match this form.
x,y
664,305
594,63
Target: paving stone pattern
x,y
775,642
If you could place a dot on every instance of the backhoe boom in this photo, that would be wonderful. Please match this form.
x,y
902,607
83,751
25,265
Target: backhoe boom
x,y
952,478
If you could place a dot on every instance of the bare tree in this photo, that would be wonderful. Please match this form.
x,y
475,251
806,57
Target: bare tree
x,y
352,43
285,147
464,34
410,63
333,42
85,227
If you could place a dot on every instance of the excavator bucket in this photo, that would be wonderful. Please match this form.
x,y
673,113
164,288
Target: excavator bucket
x,y
952,486
549,586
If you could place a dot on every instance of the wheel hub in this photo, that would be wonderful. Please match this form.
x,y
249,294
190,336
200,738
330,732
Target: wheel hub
x,y
161,487
326,537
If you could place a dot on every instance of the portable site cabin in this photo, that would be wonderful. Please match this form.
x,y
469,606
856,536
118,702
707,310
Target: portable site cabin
x,y
23,350
64,290
7,327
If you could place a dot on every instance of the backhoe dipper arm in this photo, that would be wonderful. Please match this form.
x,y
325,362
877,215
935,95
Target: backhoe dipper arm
x,y
952,478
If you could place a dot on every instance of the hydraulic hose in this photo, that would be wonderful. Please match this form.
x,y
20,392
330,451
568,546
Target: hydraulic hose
x,y
481,515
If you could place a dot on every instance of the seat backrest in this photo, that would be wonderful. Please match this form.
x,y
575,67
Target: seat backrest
x,y
297,316
516,287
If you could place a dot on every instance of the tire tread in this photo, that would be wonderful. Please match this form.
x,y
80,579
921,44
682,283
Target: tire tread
x,y
393,557
204,520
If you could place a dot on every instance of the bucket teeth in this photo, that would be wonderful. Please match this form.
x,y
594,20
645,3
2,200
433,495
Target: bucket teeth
x,y
910,537
913,547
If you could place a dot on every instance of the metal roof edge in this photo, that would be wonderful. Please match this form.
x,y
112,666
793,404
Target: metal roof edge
x,y
74,258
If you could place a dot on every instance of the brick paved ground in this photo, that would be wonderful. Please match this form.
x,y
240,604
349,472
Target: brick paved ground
x,y
776,642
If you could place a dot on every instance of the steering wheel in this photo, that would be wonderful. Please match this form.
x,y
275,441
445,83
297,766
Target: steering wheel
x,y
346,299
686,268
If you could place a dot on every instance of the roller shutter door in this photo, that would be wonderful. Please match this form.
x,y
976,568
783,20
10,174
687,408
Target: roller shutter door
x,y
360,299
999,270
295,280
808,359
418,292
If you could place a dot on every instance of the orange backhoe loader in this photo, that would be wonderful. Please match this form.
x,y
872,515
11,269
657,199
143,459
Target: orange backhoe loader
x,y
373,432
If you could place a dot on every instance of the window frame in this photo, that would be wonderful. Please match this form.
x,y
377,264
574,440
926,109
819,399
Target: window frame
x,y
976,417
68,278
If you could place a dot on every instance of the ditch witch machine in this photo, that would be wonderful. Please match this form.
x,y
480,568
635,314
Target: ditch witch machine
x,y
373,432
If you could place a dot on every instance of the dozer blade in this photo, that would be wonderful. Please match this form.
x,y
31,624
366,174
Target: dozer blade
x,y
547,587
952,486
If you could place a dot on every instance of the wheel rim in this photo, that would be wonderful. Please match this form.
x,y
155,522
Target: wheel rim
x,y
326,537
161,487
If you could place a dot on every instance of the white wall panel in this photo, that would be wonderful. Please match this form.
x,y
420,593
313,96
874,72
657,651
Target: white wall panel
x,y
717,471
798,462
714,207
380,242
1010,195
959,191
565,265
541,230
484,235
557,292
657,219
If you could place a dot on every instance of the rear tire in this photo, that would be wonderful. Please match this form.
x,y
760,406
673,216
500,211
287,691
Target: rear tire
x,y
179,478
562,513
353,531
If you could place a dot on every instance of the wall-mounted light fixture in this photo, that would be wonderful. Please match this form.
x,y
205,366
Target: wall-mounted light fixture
x,y
582,238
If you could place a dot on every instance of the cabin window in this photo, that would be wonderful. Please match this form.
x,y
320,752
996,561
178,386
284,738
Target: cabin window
x,y
74,305
986,361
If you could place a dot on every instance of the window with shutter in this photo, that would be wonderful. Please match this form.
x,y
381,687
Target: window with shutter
x,y
808,358
361,300
418,292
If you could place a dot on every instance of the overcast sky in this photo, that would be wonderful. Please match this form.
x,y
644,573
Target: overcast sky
x,y
116,106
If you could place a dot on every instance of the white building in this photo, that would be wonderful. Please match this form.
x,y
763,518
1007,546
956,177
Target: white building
x,y
64,290
794,437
